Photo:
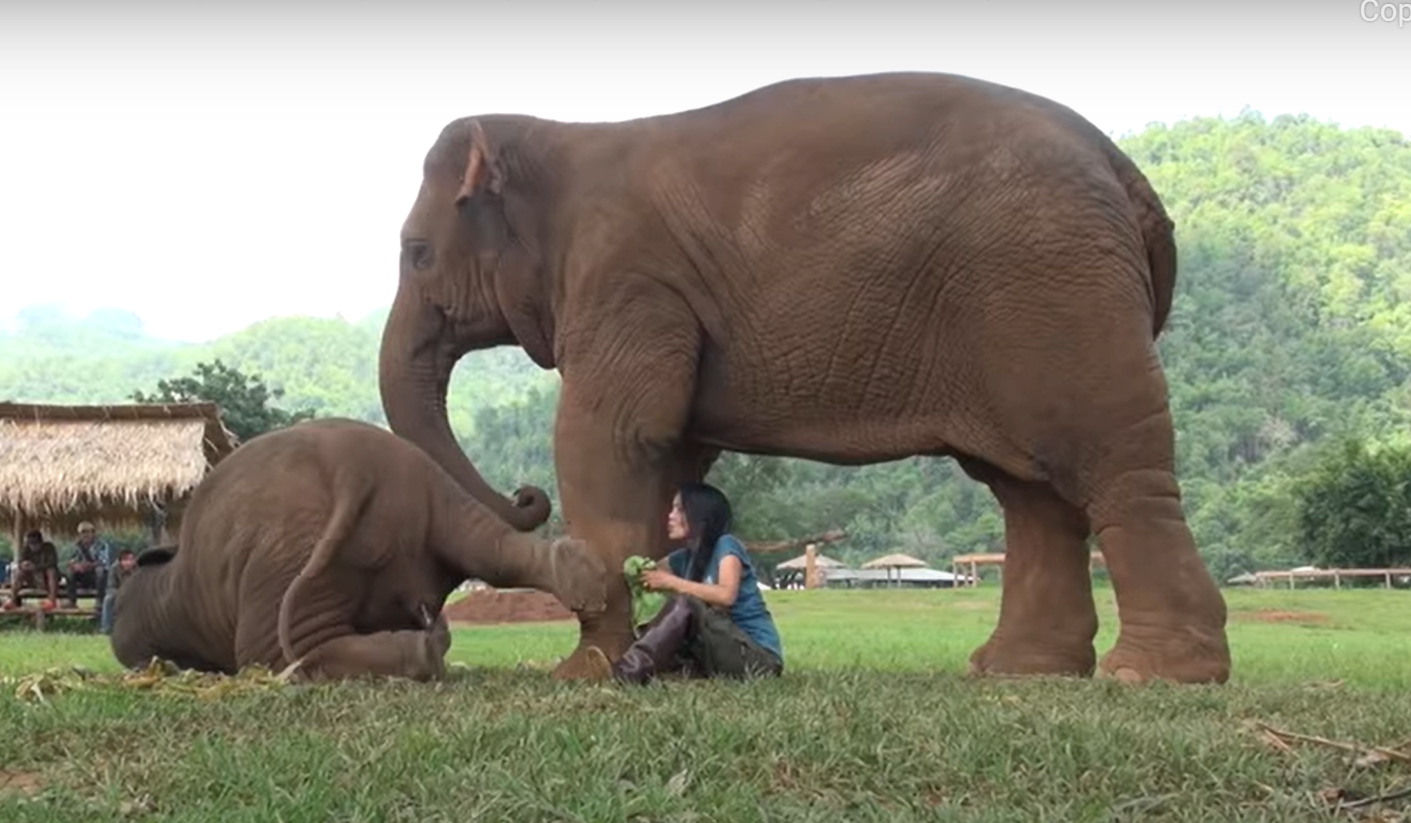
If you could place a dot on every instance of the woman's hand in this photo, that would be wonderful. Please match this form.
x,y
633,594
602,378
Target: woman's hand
x,y
659,580
721,593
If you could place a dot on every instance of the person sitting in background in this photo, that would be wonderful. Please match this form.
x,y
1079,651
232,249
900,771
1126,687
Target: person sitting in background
x,y
127,561
37,561
88,566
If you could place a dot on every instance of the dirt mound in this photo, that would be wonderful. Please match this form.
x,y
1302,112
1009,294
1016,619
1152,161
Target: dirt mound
x,y
507,606
1279,616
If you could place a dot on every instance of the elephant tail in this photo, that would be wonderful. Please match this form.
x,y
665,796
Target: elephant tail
x,y
1158,235
346,508
1158,232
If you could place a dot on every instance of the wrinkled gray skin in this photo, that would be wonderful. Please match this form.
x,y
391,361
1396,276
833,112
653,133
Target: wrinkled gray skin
x,y
334,544
845,269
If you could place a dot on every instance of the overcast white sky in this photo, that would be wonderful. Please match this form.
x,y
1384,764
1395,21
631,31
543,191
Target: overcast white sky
x,y
208,168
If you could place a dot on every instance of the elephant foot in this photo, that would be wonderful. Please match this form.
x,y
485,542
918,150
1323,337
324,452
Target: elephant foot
x,y
577,576
581,665
1187,656
1004,657
599,668
595,645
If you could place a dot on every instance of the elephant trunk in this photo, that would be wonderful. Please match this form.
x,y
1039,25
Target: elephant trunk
x,y
142,616
414,371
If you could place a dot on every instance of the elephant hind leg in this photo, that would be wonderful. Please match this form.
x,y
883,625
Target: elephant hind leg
x,y
1171,612
412,654
564,567
1047,620
1104,440
465,536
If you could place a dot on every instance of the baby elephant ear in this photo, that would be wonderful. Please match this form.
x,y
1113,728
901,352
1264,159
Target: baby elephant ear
x,y
482,169
156,556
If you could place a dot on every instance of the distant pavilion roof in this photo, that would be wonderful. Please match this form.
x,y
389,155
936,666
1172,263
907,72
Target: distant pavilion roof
x,y
801,562
60,465
895,561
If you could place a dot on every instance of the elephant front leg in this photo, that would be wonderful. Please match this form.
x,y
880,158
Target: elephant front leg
x,y
619,446
1047,619
615,493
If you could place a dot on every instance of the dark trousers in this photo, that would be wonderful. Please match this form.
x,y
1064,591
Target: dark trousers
x,y
694,639
718,648
95,579
33,579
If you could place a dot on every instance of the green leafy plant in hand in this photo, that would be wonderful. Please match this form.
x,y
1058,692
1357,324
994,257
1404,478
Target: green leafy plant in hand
x,y
645,603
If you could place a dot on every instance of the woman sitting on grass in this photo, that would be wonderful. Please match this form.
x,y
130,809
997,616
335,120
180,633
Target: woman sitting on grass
x,y
715,622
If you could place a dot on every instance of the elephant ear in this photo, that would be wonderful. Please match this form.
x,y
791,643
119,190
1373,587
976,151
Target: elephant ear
x,y
483,172
479,199
156,556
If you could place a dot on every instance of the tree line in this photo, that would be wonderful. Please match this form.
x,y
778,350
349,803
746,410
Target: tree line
x,y
1288,354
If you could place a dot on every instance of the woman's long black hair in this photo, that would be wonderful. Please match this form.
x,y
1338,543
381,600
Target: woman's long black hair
x,y
708,516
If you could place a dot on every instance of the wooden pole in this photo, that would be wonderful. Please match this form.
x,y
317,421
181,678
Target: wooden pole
x,y
21,526
810,566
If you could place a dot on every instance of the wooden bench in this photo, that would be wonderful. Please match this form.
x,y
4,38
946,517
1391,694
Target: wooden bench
x,y
31,601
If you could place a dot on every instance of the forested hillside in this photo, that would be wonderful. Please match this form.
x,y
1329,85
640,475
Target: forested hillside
x,y
1291,327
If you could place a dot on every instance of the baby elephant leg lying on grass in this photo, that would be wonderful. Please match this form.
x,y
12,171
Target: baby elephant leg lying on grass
x,y
332,545
416,654
320,634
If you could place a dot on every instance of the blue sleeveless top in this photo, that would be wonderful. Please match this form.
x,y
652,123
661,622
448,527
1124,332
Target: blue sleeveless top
x,y
748,612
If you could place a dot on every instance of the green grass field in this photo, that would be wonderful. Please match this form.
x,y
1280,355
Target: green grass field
x,y
874,720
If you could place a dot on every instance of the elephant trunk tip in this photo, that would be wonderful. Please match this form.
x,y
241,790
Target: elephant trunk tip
x,y
531,508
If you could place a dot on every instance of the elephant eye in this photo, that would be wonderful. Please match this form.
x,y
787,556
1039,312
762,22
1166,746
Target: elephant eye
x,y
417,253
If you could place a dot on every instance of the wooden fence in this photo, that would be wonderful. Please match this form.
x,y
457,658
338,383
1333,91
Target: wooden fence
x,y
961,562
1263,579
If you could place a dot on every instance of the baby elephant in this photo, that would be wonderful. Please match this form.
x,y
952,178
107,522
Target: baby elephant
x,y
330,547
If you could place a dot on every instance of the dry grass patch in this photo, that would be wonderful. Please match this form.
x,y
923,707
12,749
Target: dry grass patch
x,y
1280,616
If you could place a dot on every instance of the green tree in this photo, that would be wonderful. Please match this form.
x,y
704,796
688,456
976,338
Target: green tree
x,y
1291,328
1355,507
244,400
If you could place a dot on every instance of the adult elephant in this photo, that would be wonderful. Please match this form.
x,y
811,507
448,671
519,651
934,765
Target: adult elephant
x,y
848,270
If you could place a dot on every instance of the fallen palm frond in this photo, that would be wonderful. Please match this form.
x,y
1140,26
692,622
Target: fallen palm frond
x,y
158,676
1368,755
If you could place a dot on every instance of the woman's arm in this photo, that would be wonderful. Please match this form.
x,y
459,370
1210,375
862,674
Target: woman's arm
x,y
721,593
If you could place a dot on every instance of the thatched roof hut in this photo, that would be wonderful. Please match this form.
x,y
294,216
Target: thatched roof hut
x,y
113,465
